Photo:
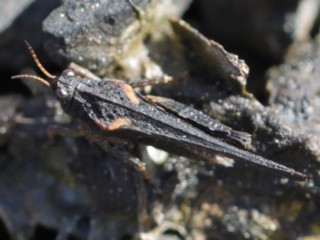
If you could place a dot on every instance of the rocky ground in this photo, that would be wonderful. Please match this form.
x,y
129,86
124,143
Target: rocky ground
x,y
259,74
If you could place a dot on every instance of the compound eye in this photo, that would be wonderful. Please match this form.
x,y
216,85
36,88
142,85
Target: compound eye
x,y
70,73
62,94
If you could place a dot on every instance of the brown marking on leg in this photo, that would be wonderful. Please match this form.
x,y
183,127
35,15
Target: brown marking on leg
x,y
115,124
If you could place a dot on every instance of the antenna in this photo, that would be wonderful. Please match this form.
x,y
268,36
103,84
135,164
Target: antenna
x,y
34,56
32,76
39,65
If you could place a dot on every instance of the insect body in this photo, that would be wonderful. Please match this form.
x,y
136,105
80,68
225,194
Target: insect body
x,y
202,121
112,109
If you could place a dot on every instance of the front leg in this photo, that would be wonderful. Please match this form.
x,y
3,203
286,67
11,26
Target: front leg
x,y
81,71
54,130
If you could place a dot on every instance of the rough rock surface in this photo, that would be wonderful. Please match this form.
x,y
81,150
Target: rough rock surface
x,y
73,189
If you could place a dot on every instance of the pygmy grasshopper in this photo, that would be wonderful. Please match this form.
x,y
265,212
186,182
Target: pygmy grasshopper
x,y
110,110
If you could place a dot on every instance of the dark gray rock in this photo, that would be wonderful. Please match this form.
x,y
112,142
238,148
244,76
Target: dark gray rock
x,y
102,35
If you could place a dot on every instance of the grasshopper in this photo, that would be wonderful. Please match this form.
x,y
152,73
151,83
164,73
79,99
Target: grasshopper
x,y
110,110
